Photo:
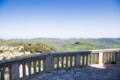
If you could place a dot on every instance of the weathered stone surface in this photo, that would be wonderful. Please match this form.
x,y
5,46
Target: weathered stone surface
x,y
109,72
118,57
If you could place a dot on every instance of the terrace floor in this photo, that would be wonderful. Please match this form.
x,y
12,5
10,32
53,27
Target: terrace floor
x,y
93,72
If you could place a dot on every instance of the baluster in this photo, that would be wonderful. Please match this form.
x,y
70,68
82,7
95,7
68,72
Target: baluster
x,y
105,58
87,59
53,62
70,61
116,57
90,58
75,62
82,60
34,63
108,57
39,65
29,68
9,72
98,59
24,69
66,61
88,62
112,56
2,73
95,58
57,62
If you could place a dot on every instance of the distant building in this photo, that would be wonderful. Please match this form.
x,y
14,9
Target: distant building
x,y
11,48
20,48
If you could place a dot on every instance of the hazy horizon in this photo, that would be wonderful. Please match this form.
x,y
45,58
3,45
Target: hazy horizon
x,y
26,19
58,38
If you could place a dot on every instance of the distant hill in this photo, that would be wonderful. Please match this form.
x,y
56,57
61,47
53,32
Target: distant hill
x,y
3,42
76,43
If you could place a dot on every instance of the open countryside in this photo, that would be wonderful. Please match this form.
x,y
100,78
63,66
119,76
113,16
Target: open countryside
x,y
59,39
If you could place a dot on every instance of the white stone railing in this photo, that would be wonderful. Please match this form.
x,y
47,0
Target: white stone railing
x,y
19,68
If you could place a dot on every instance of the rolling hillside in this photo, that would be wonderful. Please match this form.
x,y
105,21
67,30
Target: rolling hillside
x,y
76,43
3,42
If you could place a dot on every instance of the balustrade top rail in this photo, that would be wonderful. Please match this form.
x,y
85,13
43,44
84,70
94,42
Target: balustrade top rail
x,y
21,59
25,66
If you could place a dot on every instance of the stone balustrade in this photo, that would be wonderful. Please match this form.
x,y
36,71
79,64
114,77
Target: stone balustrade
x,y
18,68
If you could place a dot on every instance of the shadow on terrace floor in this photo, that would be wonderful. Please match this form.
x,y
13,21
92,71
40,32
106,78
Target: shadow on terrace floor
x,y
93,72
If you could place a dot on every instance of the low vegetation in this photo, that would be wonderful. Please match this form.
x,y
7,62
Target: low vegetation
x,y
43,45
38,47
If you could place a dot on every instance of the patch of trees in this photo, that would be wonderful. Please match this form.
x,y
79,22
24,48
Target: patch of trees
x,y
38,47
1,51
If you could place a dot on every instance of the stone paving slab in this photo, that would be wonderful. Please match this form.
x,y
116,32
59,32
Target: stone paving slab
x,y
94,72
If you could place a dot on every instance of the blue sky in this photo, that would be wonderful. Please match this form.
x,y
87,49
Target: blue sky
x,y
59,18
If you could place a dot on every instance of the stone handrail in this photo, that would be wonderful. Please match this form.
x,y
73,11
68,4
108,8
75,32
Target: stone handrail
x,y
19,68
